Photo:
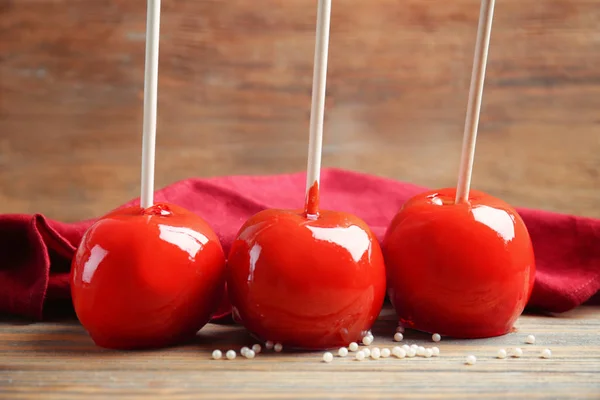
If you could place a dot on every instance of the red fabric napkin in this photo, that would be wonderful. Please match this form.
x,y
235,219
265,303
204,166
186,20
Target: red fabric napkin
x,y
35,252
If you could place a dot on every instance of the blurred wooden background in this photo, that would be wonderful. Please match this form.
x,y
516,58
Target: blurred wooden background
x,y
234,94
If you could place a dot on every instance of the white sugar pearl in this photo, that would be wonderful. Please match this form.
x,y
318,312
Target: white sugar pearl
x,y
400,329
546,353
343,352
353,346
256,348
399,352
328,357
375,353
530,339
428,353
385,353
501,354
470,360
269,345
278,347
436,351
436,337
217,354
398,337
367,340
414,346
250,354
244,350
367,352
420,351
360,355
406,347
517,352
411,353
230,355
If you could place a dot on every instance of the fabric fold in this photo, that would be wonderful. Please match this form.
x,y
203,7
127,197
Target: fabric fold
x,y
36,252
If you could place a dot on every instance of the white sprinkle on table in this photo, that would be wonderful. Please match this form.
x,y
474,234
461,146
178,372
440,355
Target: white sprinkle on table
x,y
530,339
375,353
399,352
517,352
470,360
546,353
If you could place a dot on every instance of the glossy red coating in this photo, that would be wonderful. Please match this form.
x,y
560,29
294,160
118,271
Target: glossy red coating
x,y
309,283
462,270
312,200
144,278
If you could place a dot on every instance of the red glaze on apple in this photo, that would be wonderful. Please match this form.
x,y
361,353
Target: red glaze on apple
x,y
309,283
461,270
144,278
312,201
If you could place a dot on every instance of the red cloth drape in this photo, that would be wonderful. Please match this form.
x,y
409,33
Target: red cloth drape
x,y
35,252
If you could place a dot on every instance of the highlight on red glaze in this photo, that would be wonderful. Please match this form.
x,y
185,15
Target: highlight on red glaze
x,y
462,270
307,283
144,278
312,201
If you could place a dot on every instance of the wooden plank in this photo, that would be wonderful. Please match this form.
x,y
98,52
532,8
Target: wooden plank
x,y
59,361
235,91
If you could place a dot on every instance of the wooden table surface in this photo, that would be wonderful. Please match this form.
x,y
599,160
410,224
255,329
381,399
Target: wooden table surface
x,y
59,361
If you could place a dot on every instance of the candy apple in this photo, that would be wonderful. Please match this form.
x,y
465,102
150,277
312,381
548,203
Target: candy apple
x,y
308,282
144,278
464,270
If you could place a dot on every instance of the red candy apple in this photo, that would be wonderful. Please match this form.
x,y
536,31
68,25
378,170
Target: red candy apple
x,y
463,270
145,278
309,283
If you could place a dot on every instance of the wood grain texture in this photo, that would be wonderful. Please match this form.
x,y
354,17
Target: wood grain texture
x,y
234,94
59,361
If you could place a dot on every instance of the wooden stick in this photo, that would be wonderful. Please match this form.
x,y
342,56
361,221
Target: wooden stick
x,y
317,113
150,102
482,46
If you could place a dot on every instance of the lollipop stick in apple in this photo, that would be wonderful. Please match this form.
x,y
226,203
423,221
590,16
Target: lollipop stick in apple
x,y
152,275
482,45
317,112
460,262
312,278
150,103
